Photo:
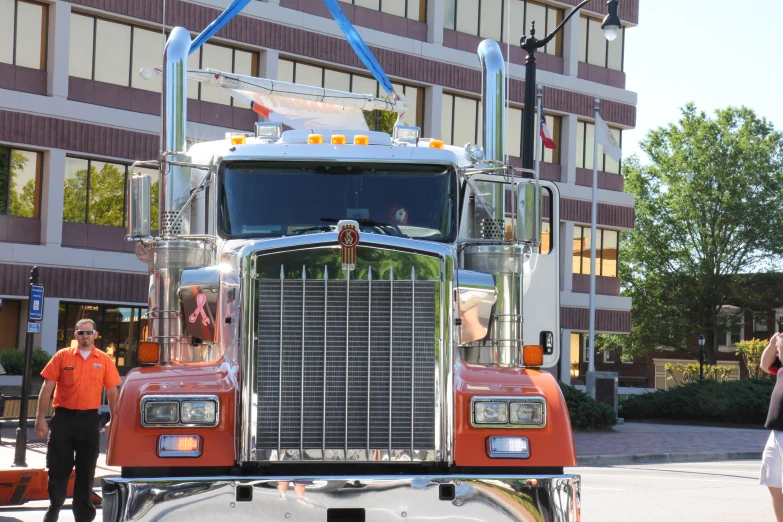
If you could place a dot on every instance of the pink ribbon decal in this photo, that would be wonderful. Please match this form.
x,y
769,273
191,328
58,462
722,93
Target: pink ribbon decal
x,y
201,300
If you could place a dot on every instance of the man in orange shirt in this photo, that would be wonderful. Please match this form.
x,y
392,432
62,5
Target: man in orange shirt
x,y
78,376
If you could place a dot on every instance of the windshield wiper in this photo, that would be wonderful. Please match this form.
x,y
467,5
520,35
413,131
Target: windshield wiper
x,y
317,228
380,225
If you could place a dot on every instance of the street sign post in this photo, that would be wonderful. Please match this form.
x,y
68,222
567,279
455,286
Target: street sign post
x,y
34,314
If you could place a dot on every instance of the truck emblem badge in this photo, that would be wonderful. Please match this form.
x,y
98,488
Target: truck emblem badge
x,y
348,237
201,300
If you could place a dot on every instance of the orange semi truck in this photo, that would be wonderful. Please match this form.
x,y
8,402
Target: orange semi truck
x,y
345,325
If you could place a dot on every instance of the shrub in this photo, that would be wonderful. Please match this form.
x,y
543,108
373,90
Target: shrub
x,y
751,353
13,361
587,413
735,402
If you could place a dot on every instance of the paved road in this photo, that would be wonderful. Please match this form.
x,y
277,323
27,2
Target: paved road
x,y
693,492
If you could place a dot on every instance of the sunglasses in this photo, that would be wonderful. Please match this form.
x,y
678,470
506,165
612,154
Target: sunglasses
x,y
85,332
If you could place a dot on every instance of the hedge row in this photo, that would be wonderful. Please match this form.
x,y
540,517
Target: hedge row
x,y
13,361
586,413
735,402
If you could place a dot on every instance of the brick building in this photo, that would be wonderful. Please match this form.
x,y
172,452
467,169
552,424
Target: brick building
x,y
75,113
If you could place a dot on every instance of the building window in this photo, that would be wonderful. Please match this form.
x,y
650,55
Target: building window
x,y
23,28
605,251
760,322
585,143
609,356
9,324
317,76
488,19
119,327
20,182
461,124
114,52
413,9
595,49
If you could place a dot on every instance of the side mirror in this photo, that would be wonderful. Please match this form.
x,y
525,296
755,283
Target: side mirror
x,y
139,191
529,212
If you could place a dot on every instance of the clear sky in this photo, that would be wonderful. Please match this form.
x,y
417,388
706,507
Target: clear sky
x,y
715,53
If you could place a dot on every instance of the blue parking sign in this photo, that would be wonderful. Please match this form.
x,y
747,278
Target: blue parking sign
x,y
36,303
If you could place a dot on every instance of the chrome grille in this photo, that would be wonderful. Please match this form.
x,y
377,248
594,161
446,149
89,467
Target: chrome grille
x,y
348,368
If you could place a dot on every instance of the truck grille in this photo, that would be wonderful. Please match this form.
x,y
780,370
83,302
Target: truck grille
x,y
346,369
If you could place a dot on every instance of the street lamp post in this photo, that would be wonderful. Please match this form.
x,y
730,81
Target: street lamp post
x,y
701,357
611,26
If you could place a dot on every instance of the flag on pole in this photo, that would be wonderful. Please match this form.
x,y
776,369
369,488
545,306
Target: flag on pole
x,y
546,137
604,137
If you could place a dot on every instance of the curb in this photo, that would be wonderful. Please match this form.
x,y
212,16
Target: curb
x,y
658,458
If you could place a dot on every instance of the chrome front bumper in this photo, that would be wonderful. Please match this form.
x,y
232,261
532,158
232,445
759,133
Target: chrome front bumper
x,y
344,499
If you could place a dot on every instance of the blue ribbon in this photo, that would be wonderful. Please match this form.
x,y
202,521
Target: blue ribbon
x,y
225,17
359,47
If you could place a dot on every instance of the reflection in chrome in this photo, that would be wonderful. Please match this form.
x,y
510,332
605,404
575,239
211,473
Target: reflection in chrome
x,y
384,498
477,294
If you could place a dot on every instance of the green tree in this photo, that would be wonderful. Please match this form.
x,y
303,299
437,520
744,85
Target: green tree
x,y
107,194
20,203
75,199
751,354
707,209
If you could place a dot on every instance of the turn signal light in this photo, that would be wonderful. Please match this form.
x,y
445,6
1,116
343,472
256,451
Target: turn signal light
x,y
533,355
361,139
436,144
237,140
179,446
315,139
148,352
338,139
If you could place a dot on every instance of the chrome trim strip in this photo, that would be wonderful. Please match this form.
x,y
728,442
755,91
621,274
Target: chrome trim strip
x,y
391,350
280,368
179,399
301,382
369,351
347,355
508,400
499,498
326,316
413,352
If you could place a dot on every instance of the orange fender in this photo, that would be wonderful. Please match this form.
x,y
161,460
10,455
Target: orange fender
x,y
132,445
550,446
18,486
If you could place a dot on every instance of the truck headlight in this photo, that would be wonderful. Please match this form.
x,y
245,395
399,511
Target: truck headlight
x,y
180,410
527,413
490,412
508,412
198,412
161,412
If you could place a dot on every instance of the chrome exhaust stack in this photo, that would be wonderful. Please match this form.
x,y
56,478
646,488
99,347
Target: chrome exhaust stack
x,y
172,252
499,257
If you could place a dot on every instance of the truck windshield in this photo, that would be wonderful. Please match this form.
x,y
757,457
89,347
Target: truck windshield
x,y
275,199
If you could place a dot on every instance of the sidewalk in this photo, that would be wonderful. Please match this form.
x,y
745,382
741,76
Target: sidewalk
x,y
638,443
629,443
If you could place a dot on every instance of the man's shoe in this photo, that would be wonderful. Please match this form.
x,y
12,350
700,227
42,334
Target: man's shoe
x,y
51,517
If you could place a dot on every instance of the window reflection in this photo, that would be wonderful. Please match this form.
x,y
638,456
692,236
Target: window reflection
x,y
95,192
585,145
606,251
23,37
20,182
112,52
120,328
595,49
413,9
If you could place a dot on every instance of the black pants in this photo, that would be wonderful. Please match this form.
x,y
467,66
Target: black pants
x,y
74,438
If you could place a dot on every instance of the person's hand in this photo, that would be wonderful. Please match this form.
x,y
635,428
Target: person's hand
x,y
41,427
107,429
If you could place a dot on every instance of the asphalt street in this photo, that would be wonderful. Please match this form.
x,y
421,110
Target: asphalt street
x,y
725,491
694,492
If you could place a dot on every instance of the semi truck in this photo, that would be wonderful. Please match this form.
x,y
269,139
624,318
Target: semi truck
x,y
345,325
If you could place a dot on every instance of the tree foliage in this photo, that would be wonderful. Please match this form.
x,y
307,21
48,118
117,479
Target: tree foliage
x,y
751,353
707,209
22,202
